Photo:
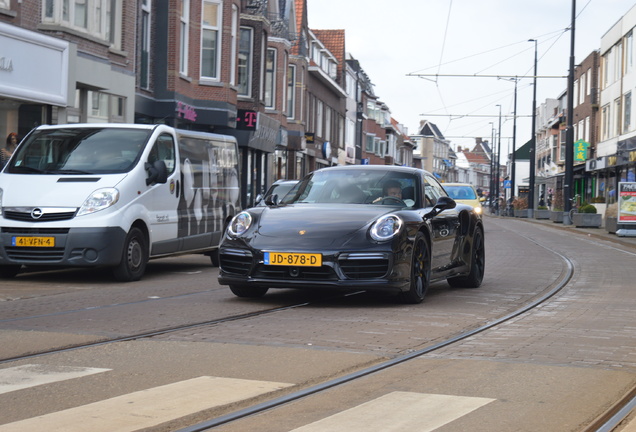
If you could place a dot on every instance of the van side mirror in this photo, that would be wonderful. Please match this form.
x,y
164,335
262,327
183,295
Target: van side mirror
x,y
157,172
272,200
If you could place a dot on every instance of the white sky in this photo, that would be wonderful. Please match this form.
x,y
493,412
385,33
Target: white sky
x,y
394,38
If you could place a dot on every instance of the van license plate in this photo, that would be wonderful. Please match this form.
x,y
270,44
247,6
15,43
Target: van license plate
x,y
293,259
33,241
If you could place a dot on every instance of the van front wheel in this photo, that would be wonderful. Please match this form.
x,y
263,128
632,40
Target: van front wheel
x,y
134,257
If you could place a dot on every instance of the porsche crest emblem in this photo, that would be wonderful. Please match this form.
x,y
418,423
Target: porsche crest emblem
x,y
302,232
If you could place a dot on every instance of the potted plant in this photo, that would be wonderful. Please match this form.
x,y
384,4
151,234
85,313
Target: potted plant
x,y
520,206
542,213
587,217
556,215
611,218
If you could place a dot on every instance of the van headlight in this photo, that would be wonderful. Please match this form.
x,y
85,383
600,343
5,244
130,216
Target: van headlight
x,y
99,200
385,228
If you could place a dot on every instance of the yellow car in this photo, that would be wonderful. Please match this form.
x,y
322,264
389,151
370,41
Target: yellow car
x,y
465,193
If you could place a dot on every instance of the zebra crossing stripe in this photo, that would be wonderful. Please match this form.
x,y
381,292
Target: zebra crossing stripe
x,y
147,408
399,411
31,375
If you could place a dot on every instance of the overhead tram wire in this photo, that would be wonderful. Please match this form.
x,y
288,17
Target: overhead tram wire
x,y
543,37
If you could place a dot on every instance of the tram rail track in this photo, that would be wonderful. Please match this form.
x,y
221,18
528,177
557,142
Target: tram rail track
x,y
564,278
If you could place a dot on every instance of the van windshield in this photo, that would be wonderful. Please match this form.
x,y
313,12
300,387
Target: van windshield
x,y
79,151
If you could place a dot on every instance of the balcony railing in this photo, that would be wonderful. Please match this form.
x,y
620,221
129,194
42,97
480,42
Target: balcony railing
x,y
279,24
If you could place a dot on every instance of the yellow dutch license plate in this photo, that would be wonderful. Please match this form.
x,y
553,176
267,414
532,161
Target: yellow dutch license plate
x,y
33,241
293,259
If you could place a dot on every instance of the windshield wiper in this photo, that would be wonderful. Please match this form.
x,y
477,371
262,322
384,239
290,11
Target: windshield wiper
x,y
26,169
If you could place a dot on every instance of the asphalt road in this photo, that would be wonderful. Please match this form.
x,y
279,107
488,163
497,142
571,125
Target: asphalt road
x,y
555,368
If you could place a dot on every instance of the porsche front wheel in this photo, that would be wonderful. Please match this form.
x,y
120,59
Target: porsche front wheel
x,y
420,272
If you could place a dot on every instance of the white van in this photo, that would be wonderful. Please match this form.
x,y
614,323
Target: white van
x,y
116,195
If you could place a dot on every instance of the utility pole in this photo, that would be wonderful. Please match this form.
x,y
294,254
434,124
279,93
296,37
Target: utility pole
x,y
497,179
569,133
533,139
491,193
514,146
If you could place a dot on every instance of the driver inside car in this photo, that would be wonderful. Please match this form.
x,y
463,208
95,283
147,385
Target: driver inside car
x,y
391,188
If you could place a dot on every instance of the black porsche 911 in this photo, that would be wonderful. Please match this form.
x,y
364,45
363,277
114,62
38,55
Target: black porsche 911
x,y
358,227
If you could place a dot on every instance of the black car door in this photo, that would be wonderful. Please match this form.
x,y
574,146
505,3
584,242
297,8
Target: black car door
x,y
445,228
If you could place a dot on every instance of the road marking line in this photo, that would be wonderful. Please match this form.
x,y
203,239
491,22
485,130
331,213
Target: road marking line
x,y
399,411
31,375
147,408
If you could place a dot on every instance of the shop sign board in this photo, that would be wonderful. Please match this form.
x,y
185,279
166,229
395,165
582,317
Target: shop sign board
x,y
627,202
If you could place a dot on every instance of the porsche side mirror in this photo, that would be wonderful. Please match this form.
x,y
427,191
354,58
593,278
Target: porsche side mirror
x,y
443,203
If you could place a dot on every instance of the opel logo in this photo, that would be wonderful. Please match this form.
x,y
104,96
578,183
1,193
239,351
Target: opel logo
x,y
36,213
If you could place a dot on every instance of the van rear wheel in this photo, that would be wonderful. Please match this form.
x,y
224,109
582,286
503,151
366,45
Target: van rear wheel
x,y
134,257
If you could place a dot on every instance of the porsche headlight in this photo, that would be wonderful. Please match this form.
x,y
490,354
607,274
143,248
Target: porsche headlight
x,y
99,200
478,210
386,227
240,223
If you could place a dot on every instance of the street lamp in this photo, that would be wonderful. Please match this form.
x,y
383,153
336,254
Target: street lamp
x,y
533,141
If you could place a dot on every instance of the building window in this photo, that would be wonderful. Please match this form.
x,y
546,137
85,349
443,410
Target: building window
x,y
184,41
627,113
617,116
4,4
98,18
144,73
210,39
270,78
291,90
246,46
629,52
235,22
605,123
102,107
369,144
319,118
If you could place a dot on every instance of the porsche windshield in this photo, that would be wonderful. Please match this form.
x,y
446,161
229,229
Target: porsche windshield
x,y
79,151
356,187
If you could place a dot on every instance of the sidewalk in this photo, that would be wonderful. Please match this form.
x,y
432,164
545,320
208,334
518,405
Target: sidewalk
x,y
600,233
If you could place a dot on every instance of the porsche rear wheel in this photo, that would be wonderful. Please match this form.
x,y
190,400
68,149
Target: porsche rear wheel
x,y
248,292
420,272
477,265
